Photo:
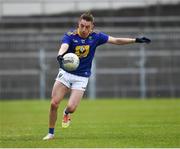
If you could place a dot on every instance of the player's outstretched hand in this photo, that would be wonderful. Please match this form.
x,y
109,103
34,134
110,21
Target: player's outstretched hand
x,y
143,40
60,60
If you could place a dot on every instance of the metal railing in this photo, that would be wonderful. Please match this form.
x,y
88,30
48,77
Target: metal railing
x,y
151,73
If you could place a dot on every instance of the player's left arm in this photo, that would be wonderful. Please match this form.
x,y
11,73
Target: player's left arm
x,y
122,41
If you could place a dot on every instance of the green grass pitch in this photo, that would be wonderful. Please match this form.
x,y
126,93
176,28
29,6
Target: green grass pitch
x,y
99,123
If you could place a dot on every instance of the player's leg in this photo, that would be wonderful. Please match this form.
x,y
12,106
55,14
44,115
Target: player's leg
x,y
74,100
78,86
58,92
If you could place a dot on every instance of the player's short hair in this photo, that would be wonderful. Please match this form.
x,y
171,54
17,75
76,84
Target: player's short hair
x,y
87,16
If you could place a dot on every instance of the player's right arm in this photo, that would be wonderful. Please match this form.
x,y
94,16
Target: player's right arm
x,y
63,49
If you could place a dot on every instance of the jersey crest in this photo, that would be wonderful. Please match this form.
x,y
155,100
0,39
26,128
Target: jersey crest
x,y
82,51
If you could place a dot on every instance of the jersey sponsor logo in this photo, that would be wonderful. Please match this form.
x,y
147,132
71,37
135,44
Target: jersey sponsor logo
x,y
82,41
82,51
75,41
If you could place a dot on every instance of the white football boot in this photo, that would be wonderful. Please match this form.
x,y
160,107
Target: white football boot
x,y
49,136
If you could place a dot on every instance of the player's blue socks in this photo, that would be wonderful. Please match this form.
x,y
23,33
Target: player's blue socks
x,y
51,130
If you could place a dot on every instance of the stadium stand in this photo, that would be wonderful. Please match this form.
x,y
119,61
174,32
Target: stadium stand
x,y
22,39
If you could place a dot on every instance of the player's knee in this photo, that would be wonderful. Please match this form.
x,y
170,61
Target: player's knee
x,y
54,105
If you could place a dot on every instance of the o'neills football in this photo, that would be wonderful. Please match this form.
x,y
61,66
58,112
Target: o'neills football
x,y
70,61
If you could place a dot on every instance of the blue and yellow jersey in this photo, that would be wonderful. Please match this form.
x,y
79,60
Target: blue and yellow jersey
x,y
84,48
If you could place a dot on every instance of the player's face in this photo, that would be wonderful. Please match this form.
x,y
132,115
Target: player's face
x,y
85,27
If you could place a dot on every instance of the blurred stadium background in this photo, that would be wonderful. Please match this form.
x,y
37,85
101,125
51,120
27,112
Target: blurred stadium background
x,y
30,32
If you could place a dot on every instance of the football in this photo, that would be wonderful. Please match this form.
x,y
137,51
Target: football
x,y
70,61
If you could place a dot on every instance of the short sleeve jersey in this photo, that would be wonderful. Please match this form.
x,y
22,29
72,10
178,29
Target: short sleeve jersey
x,y
84,48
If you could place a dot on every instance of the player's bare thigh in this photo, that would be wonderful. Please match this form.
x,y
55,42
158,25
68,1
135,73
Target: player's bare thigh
x,y
74,100
58,92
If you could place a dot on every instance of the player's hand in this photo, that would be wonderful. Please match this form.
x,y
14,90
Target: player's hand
x,y
143,40
60,60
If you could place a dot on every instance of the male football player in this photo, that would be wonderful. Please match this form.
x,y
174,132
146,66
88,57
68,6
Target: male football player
x,y
82,41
